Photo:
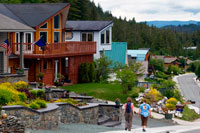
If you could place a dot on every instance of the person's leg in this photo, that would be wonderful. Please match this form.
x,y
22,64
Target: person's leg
x,y
130,122
126,119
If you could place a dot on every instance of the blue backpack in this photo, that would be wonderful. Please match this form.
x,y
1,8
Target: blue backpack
x,y
128,108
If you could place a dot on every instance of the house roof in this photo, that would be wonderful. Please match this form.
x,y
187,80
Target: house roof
x,y
158,57
169,59
31,14
139,54
10,25
87,25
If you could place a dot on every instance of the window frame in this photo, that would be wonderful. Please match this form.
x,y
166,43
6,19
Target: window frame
x,y
105,36
40,36
87,33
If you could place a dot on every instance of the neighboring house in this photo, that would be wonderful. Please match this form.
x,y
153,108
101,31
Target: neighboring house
x,y
118,53
170,60
97,31
59,56
138,55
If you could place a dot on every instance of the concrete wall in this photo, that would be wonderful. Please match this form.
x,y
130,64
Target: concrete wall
x,y
3,37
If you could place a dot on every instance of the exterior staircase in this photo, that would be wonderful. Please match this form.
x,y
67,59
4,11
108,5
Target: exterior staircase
x,y
107,121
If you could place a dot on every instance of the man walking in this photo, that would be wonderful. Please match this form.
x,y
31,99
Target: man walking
x,y
144,113
128,113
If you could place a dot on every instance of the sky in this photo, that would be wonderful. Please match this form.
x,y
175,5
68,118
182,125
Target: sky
x,y
148,10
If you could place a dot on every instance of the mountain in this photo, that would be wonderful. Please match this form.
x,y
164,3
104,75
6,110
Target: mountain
x,y
183,28
160,24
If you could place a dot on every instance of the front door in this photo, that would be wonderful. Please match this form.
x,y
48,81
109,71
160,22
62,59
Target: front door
x,y
1,62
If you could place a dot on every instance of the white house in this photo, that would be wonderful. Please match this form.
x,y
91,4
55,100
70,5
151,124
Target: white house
x,y
97,31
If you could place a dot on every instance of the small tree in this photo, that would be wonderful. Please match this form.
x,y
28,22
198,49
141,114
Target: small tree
x,y
197,72
102,68
127,78
136,67
157,64
183,62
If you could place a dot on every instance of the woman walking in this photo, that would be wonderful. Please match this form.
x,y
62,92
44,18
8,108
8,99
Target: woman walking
x,y
128,113
144,113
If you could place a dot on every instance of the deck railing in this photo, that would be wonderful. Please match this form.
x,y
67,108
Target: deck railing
x,y
64,48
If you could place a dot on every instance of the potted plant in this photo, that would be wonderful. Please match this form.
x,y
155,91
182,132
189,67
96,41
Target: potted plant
x,y
40,76
20,71
61,79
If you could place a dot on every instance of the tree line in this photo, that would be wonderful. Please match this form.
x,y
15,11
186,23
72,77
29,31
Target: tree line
x,y
138,35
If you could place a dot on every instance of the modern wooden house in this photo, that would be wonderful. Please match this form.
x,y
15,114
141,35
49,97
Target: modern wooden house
x,y
58,56
97,31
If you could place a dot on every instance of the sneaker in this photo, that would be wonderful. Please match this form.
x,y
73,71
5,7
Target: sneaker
x,y
125,128
129,130
143,130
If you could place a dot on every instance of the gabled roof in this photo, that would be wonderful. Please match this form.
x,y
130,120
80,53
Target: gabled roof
x,y
10,25
87,25
32,14
169,59
135,53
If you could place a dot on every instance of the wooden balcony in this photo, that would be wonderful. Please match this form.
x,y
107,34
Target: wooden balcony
x,y
58,49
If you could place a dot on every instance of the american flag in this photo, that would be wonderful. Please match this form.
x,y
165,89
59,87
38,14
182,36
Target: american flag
x,y
7,47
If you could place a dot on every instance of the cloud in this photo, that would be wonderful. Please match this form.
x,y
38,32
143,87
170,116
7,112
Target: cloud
x,y
146,10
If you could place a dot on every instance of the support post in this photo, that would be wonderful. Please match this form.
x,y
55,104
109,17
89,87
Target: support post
x,y
21,50
56,70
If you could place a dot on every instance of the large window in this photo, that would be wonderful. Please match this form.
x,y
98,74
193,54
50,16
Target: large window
x,y
105,37
57,22
28,38
56,36
44,36
17,40
87,37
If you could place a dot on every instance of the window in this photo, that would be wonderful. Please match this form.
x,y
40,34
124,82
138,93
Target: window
x,y
107,36
45,26
17,40
87,37
68,35
102,38
1,62
45,65
27,38
56,36
44,36
57,22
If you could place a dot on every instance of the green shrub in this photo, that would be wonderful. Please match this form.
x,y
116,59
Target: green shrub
x,y
189,114
34,105
41,103
22,97
134,93
69,100
18,103
161,75
84,73
34,93
41,94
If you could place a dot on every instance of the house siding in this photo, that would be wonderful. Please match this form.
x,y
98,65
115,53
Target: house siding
x,y
3,37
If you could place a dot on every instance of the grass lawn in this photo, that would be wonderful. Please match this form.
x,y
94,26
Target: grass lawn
x,y
99,90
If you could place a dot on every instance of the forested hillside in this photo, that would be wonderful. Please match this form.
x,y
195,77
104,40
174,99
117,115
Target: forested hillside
x,y
183,28
138,35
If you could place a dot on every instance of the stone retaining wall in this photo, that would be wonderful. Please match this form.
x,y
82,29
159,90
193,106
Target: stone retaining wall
x,y
112,111
56,113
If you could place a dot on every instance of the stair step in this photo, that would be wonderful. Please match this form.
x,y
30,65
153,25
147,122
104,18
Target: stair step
x,y
103,120
111,123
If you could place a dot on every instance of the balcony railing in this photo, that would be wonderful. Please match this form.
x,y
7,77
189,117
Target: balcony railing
x,y
58,49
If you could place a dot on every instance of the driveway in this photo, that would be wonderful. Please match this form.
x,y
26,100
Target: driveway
x,y
189,88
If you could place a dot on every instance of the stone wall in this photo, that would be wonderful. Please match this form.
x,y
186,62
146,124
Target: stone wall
x,y
112,111
14,77
56,113
86,114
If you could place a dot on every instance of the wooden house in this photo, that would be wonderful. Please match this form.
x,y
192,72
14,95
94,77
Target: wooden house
x,y
58,56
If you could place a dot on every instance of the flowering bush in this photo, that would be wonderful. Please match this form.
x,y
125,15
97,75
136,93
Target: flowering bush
x,y
172,101
153,95
9,94
21,85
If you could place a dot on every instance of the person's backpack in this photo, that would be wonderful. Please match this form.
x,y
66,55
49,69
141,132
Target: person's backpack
x,y
128,108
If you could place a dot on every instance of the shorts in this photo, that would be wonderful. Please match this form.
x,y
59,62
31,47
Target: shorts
x,y
144,120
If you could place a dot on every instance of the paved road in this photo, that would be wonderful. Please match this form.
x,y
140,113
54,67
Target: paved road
x,y
189,88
